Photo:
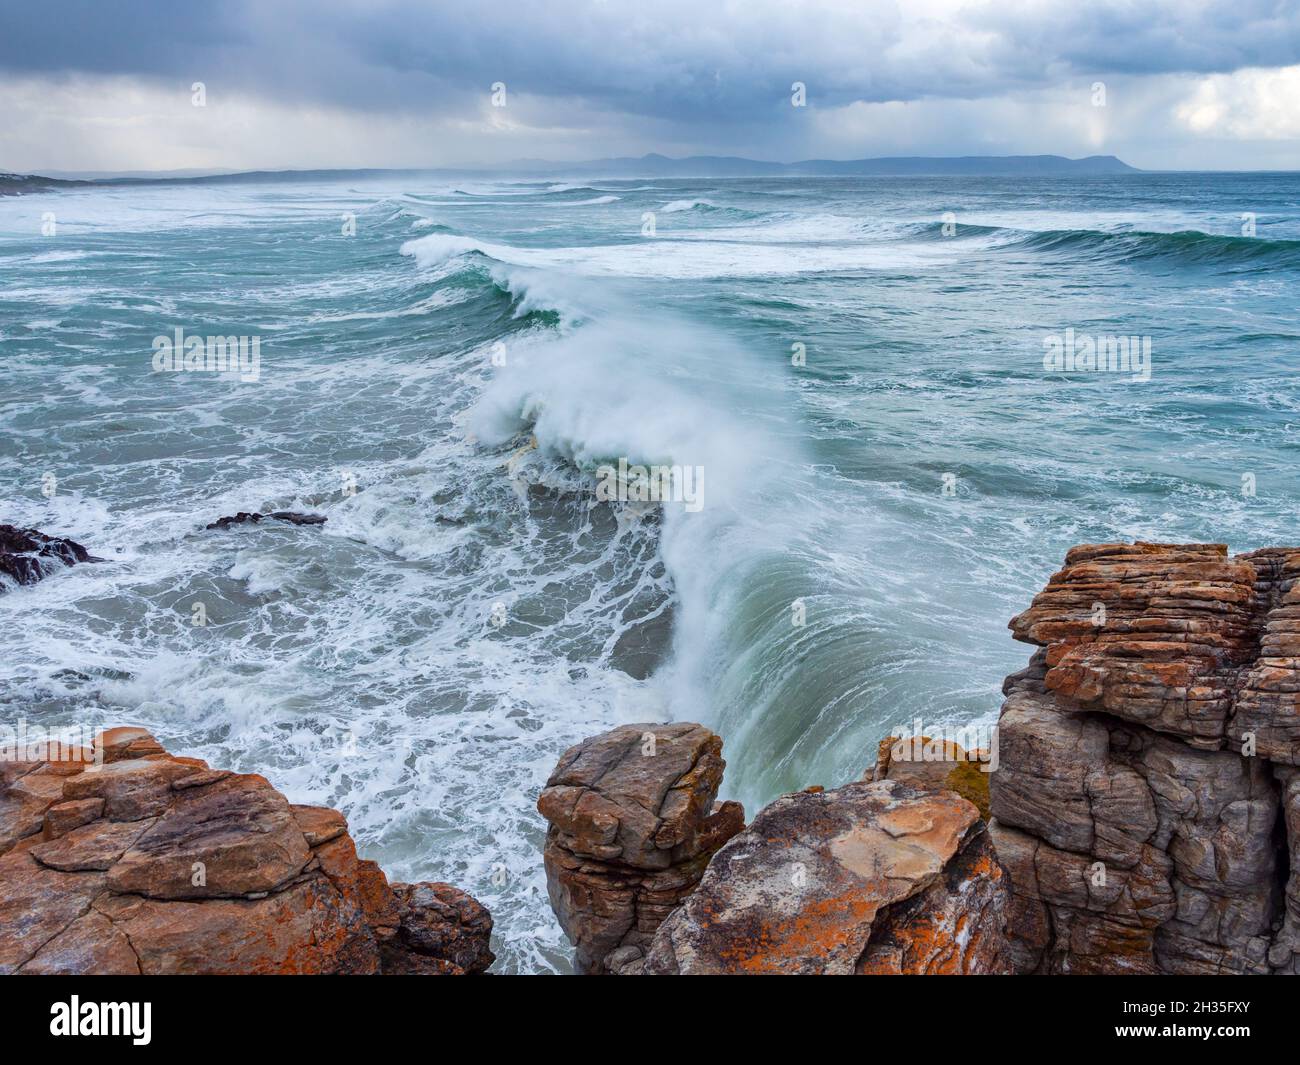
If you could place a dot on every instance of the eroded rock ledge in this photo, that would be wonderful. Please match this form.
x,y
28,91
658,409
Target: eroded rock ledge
x,y
1147,806
648,875
149,863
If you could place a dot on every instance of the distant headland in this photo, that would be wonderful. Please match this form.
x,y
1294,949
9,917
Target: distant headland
x,y
701,166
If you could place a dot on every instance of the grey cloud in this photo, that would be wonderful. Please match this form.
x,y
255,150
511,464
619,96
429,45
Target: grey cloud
x,y
1172,36
114,36
687,62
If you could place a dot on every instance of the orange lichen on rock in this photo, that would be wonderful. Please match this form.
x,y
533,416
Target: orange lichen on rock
x,y
869,877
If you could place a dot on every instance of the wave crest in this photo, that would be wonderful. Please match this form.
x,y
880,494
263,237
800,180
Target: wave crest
x,y
677,206
1188,246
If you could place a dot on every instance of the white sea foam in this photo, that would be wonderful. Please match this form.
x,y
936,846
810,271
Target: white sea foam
x,y
677,206
692,258
357,664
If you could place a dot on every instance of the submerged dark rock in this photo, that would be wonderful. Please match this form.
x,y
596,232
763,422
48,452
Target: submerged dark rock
x,y
293,517
27,555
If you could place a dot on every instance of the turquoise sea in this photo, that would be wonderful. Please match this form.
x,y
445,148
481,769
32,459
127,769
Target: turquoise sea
x,y
853,369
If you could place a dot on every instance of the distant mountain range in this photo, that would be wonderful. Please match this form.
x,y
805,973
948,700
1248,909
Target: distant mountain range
x,y
648,166
734,166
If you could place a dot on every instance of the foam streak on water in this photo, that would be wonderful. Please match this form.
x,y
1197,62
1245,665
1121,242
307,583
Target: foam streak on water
x,y
472,356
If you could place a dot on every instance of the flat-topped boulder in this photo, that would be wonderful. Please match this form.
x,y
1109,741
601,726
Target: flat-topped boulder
x,y
1149,633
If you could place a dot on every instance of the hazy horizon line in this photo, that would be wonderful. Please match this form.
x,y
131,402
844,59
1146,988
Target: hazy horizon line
x,y
533,165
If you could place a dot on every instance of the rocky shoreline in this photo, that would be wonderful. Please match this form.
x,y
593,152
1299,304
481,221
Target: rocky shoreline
x,y
125,860
1147,807
1142,815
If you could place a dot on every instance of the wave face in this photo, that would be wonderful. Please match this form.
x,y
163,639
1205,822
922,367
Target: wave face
x,y
1182,248
855,368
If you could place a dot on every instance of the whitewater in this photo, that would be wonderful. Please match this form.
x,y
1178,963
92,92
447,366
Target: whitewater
x,y
856,366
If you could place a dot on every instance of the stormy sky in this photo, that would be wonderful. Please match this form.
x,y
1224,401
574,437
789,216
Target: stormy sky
x,y
106,85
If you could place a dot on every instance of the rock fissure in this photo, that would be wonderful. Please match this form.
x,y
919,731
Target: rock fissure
x,y
819,883
1170,863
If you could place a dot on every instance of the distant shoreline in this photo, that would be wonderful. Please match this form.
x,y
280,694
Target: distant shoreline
x,y
647,166
701,168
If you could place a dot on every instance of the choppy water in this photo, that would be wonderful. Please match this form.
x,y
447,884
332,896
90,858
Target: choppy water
x,y
469,611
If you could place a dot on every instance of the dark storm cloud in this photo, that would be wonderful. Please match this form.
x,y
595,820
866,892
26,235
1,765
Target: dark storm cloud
x,y
1136,38
687,62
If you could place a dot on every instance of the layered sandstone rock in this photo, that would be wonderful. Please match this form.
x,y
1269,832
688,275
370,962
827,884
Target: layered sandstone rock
x,y
1146,802
870,878
633,823
27,555
128,860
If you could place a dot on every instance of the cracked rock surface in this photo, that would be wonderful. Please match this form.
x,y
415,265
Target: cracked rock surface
x,y
1145,806
649,875
869,878
149,863
633,823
